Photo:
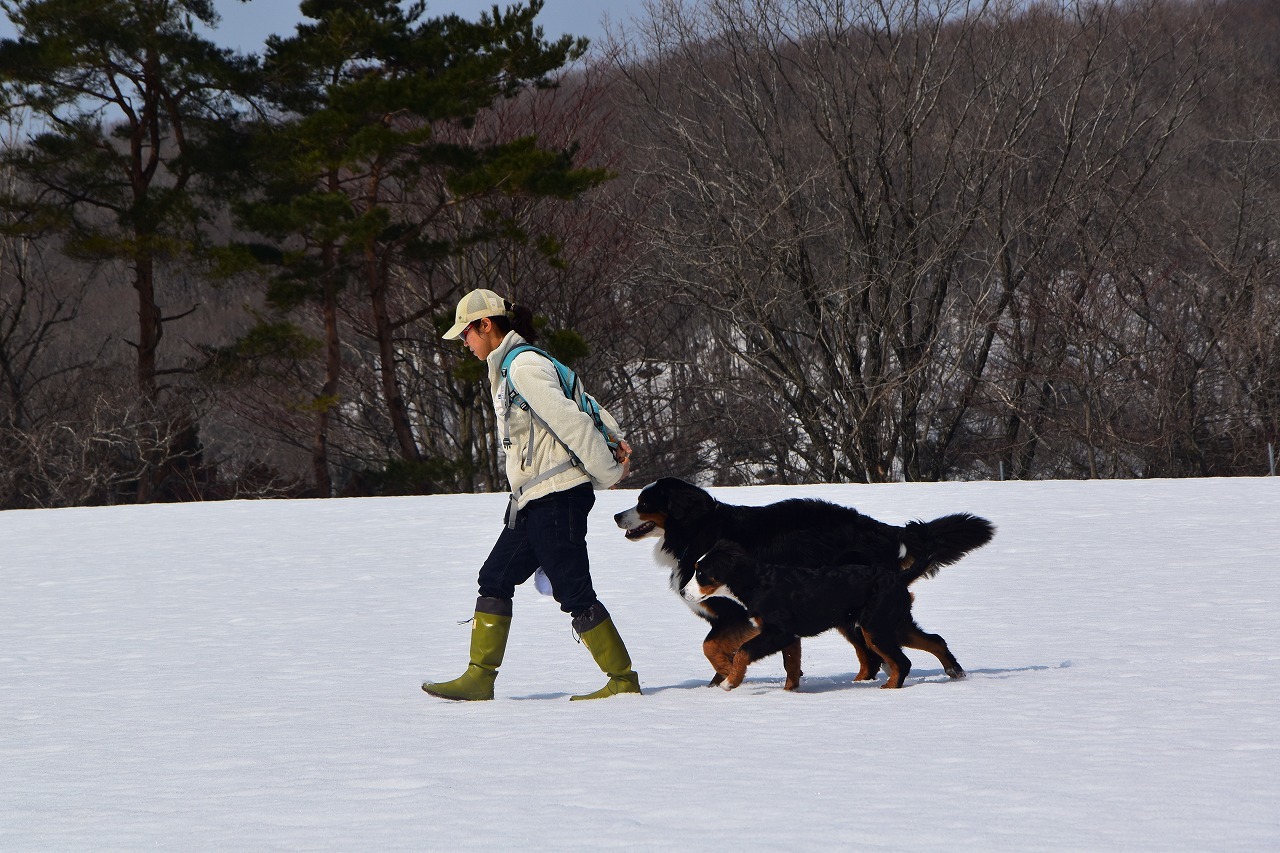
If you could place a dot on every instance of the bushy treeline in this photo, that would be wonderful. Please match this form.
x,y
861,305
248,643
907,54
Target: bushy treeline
x,y
783,240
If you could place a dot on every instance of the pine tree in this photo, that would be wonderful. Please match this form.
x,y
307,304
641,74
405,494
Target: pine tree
x,y
122,90
362,99
123,94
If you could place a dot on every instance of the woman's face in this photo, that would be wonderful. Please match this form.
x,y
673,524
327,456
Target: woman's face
x,y
482,338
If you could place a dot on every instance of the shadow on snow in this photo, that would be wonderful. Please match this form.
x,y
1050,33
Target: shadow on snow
x,y
827,684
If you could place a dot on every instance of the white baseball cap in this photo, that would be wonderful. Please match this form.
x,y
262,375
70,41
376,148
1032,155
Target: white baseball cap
x,y
476,305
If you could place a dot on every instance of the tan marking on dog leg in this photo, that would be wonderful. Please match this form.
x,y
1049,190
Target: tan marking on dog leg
x,y
936,646
737,670
791,664
720,649
868,667
896,674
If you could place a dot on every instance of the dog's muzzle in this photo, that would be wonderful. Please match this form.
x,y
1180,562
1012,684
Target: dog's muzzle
x,y
635,526
692,592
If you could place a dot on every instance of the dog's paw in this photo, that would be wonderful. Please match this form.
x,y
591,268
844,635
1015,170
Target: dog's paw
x,y
727,685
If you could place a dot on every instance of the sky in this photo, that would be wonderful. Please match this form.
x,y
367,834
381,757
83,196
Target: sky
x,y
246,676
245,26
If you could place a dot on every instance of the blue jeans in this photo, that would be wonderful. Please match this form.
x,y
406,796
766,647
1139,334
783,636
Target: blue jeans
x,y
550,532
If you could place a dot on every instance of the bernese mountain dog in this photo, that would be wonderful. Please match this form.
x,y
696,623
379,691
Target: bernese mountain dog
x,y
790,602
688,521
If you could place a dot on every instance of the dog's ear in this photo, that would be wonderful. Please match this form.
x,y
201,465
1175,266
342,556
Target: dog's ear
x,y
726,550
711,565
732,558
687,502
704,570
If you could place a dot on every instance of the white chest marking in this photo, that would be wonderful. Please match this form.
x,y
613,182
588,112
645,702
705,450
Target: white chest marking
x,y
665,558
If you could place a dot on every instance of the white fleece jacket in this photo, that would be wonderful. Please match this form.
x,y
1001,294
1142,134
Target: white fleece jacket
x,y
535,380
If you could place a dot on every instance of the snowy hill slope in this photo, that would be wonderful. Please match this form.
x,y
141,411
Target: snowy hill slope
x,y
246,676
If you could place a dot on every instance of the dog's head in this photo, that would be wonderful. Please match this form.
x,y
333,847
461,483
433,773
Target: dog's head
x,y
713,572
663,504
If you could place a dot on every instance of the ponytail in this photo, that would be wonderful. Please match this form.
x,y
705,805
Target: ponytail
x,y
518,317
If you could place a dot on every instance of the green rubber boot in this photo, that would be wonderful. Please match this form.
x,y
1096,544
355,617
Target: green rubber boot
x,y
489,632
597,632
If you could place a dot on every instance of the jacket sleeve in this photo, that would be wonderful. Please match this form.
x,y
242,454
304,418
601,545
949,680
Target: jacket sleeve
x,y
536,381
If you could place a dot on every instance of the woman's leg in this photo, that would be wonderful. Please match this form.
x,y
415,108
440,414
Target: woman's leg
x,y
511,562
557,536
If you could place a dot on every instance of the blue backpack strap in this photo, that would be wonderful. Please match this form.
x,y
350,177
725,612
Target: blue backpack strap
x,y
569,384
568,379
513,397
510,356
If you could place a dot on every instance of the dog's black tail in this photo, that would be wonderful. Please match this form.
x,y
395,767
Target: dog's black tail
x,y
934,544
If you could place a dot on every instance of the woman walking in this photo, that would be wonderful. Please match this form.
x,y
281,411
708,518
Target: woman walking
x,y
555,459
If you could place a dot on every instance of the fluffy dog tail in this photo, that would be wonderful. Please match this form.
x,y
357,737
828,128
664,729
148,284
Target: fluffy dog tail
x,y
933,544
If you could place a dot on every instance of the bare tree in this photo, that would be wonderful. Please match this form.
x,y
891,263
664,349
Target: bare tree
x,y
856,191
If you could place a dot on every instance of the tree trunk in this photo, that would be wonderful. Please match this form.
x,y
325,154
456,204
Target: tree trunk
x,y
150,330
332,379
384,331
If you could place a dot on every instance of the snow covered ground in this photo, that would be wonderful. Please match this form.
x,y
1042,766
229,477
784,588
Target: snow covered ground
x,y
245,676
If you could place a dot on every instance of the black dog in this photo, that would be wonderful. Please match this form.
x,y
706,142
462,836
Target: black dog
x,y
798,532
790,602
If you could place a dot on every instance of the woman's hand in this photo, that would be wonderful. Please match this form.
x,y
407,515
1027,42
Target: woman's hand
x,y
622,454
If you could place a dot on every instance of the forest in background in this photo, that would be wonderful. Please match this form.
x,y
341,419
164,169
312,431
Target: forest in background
x,y
783,241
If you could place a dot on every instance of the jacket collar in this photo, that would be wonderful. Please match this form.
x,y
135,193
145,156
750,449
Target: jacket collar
x,y
494,359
